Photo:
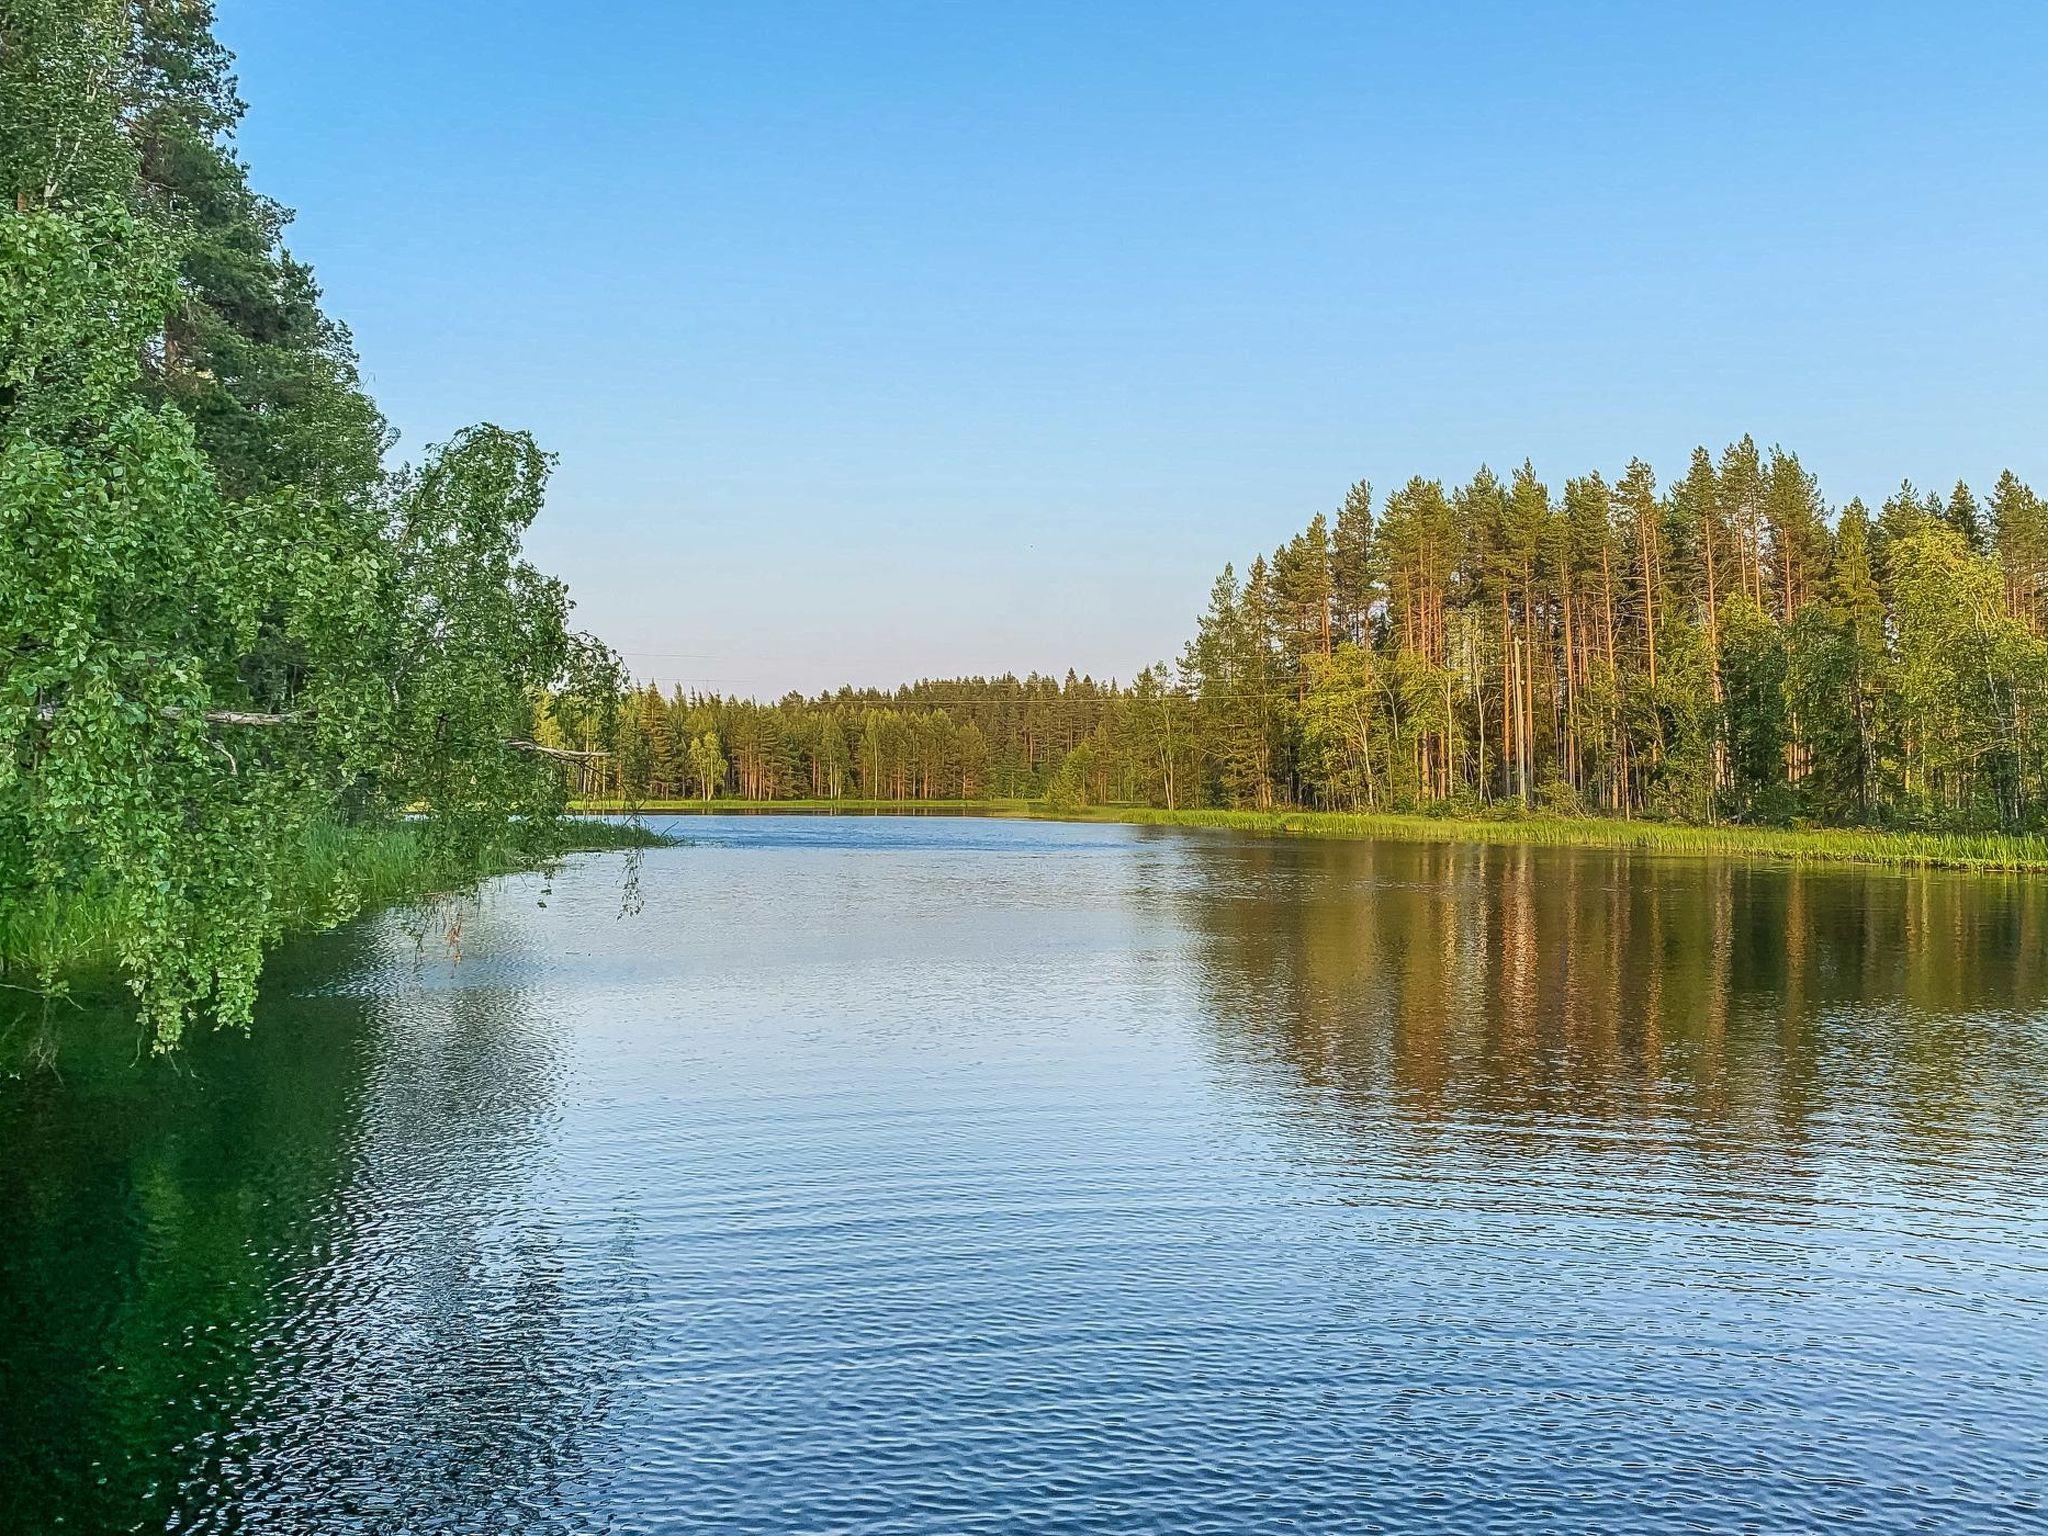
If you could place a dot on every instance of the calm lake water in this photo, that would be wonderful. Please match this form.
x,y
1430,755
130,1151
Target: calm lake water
x,y
942,1175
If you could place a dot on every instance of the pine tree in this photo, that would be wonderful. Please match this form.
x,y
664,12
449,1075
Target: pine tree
x,y
1353,586
1743,492
1963,515
1797,520
1642,517
1303,592
2019,523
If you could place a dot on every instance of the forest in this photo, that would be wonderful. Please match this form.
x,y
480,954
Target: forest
x,y
243,644
1726,648
235,646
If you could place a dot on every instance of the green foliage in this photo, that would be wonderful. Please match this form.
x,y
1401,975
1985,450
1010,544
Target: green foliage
x,y
1753,672
1972,683
1229,665
477,639
1344,724
190,681
221,623
1679,775
268,381
129,590
63,79
327,873
1068,789
1725,649
707,760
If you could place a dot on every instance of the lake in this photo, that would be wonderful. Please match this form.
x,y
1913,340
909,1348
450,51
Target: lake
x,y
944,1174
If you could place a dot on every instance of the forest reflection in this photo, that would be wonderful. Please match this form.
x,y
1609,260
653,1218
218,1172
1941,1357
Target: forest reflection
x,y
230,1274
1539,996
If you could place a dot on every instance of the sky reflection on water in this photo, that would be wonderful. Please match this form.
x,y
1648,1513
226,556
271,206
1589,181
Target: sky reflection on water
x,y
940,1175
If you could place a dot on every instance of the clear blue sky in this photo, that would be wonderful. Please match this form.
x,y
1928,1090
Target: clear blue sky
x,y
881,340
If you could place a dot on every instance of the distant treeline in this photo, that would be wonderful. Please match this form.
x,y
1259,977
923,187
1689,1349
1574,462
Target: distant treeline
x,y
1728,647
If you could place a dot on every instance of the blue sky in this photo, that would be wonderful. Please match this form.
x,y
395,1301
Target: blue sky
x,y
883,340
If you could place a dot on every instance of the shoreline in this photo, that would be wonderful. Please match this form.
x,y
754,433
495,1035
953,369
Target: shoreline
x,y
1982,853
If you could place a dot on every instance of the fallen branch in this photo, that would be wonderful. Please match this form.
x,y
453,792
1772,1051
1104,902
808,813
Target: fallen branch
x,y
560,754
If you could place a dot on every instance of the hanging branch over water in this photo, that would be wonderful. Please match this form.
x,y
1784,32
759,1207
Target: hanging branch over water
x,y
196,527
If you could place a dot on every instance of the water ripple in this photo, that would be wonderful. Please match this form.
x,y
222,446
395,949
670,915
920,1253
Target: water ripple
x,y
932,1176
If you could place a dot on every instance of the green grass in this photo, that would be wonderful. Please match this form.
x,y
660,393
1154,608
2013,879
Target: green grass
x,y
335,870
1900,850
1903,850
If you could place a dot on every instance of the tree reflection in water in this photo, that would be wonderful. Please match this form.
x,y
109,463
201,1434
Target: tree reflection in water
x,y
1066,1177
1545,1001
277,1246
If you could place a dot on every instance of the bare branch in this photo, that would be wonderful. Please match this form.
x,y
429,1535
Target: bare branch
x,y
48,712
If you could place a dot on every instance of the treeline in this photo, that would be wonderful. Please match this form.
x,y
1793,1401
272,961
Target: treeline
x,y
1727,647
965,739
223,623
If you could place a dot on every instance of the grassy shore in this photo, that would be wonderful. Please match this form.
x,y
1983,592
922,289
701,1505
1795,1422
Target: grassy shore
x,y
335,871
1901,850
1904,850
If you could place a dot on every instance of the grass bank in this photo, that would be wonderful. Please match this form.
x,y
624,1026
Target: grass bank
x,y
1993,852
1904,850
335,872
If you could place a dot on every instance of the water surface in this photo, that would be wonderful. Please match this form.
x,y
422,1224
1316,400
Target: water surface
x,y
936,1175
